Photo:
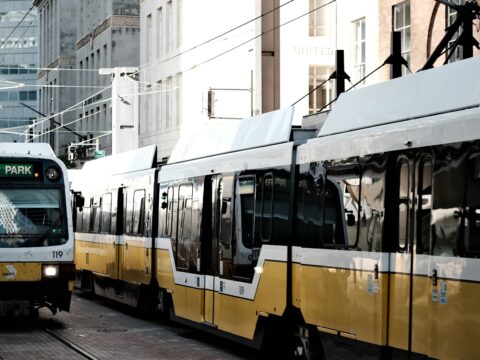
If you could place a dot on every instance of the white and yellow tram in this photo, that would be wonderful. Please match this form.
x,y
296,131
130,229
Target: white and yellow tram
x,y
361,242
36,234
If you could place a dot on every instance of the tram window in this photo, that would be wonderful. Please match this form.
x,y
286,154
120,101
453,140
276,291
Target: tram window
x,y
128,213
244,255
403,203
169,219
138,212
187,219
341,213
281,202
472,208
310,211
185,203
86,219
226,226
79,219
246,193
96,214
371,211
106,213
424,212
267,207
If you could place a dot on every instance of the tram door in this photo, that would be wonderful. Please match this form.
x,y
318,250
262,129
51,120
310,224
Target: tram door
x,y
410,314
211,230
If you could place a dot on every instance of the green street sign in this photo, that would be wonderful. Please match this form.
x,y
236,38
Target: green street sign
x,y
99,154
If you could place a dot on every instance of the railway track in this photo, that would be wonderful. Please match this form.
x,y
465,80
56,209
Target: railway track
x,y
68,344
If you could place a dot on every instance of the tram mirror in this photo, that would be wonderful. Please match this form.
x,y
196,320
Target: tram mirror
x,y
79,201
350,219
164,204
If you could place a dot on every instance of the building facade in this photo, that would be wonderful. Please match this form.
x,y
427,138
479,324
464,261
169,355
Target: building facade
x,y
56,52
18,63
108,35
193,69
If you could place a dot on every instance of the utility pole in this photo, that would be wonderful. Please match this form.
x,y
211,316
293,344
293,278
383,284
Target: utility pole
x,y
125,108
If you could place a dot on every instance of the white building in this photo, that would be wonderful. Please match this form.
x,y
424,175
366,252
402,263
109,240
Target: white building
x,y
180,66
183,61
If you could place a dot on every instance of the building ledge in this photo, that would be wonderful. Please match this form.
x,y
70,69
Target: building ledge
x,y
60,61
113,21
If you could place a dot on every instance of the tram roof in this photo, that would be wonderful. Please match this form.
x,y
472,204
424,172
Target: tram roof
x,y
128,161
440,90
31,149
213,137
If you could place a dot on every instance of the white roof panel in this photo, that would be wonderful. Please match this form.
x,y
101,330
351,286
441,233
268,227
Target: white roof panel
x,y
419,95
42,149
213,137
128,161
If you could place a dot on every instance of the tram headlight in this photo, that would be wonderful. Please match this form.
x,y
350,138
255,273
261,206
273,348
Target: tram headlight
x,y
52,173
50,271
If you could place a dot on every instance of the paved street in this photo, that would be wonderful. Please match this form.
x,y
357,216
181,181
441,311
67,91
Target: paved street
x,y
108,331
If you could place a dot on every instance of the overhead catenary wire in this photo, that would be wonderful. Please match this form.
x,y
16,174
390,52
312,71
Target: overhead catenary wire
x,y
65,124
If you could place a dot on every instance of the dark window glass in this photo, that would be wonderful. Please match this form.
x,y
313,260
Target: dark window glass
x,y
23,95
170,203
424,211
341,215
96,215
185,194
267,207
246,192
32,95
138,212
106,213
310,211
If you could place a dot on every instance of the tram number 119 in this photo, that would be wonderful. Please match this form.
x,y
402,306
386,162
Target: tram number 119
x,y
57,254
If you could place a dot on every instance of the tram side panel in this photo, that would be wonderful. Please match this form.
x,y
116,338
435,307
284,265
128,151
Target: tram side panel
x,y
114,237
96,237
387,253
340,274
218,252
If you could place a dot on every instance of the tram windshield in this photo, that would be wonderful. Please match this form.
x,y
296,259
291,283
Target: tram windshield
x,y
31,217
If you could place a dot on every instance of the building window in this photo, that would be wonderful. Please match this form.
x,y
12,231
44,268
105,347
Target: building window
x,y
323,95
169,27
401,23
148,38
318,18
457,53
168,103
179,22
159,32
178,99
360,45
